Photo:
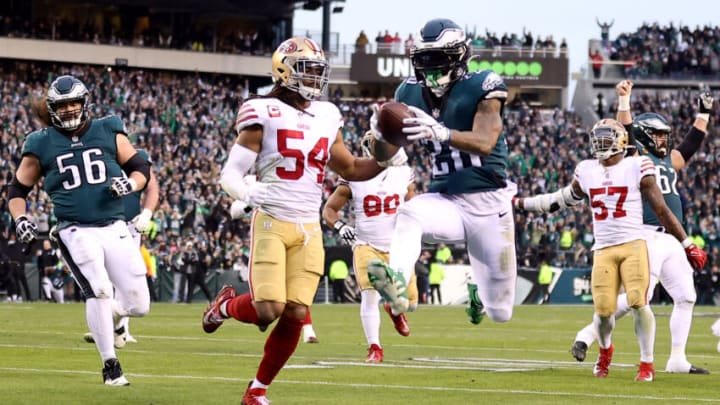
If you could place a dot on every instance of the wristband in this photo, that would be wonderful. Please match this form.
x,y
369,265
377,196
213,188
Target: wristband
x,y
624,103
133,184
703,116
686,243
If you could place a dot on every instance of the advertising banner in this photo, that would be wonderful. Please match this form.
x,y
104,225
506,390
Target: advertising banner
x,y
515,70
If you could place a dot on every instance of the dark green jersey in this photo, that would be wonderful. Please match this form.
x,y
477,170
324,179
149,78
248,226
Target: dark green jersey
x,y
666,178
131,202
455,171
78,171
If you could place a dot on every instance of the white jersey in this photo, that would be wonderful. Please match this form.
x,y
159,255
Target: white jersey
x,y
295,149
375,204
615,198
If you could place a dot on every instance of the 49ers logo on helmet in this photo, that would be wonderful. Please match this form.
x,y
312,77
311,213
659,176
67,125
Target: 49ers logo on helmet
x,y
287,47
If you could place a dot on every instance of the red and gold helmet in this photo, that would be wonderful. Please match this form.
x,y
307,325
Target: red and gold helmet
x,y
299,64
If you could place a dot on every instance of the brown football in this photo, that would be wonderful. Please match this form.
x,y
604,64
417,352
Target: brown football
x,y
390,122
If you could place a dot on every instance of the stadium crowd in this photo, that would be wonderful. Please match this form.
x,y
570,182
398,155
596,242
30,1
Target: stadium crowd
x,y
655,51
185,121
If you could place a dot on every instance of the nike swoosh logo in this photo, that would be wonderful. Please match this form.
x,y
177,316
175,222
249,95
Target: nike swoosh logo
x,y
502,214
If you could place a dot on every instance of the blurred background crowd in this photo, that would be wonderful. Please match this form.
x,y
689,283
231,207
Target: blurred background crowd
x,y
185,121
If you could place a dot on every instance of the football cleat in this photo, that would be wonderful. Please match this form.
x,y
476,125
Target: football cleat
x,y
579,350
254,396
311,339
399,321
113,374
212,318
646,372
683,367
602,366
88,337
475,309
390,284
375,354
130,338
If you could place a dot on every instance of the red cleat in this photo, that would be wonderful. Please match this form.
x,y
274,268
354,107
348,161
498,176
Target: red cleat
x,y
400,321
212,318
375,354
646,372
254,396
602,366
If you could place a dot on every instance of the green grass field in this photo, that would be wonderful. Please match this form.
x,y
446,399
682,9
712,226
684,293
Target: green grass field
x,y
43,360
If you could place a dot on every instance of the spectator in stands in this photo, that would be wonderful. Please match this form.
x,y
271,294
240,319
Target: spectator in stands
x,y
397,44
409,42
361,43
597,61
381,45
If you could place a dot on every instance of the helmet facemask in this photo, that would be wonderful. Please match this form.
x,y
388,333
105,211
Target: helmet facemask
x,y
607,139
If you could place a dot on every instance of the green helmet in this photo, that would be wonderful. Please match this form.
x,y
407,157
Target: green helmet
x,y
647,127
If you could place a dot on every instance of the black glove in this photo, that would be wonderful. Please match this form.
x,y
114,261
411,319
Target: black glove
x,y
26,230
121,186
705,103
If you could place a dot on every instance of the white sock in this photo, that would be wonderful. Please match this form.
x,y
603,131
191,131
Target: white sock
x,y
680,324
623,308
603,328
406,245
308,331
370,315
587,334
258,384
98,312
645,331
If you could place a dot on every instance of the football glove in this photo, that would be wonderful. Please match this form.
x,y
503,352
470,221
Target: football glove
x,y
705,103
239,208
121,186
26,230
425,127
346,232
374,122
142,221
696,256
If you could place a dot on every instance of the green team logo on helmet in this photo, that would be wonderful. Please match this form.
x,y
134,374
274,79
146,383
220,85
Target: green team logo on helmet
x,y
508,68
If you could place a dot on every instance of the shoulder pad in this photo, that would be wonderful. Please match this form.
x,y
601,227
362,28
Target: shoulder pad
x,y
34,142
252,112
113,124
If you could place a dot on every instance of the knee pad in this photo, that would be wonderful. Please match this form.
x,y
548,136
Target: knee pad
x,y
605,305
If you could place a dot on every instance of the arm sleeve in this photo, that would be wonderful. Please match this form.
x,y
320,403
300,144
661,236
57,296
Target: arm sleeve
x,y
691,143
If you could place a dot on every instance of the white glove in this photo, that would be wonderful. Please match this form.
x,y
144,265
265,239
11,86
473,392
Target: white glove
x,y
374,123
346,232
121,186
424,127
142,221
25,229
239,208
53,235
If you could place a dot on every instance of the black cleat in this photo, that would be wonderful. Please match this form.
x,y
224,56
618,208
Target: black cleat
x,y
113,374
698,370
579,350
